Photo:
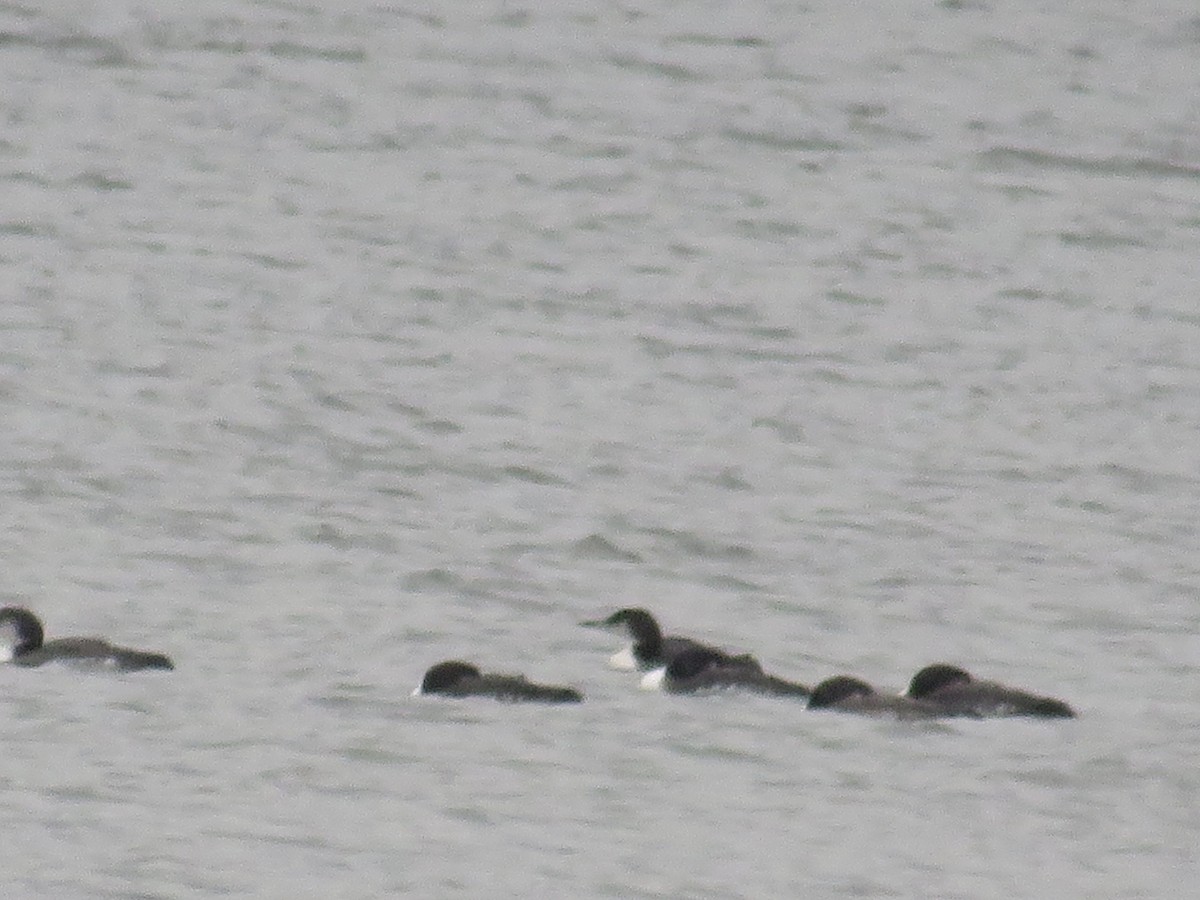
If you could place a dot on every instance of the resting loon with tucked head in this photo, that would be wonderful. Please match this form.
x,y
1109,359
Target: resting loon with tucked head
x,y
22,637
846,693
958,693
650,648
454,678
699,669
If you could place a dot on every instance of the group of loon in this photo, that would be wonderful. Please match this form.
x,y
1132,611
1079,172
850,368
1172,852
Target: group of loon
x,y
675,664
681,665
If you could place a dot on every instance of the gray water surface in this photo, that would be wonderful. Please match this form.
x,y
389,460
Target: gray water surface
x,y
336,340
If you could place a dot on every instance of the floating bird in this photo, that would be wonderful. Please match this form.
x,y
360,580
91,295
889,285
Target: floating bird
x,y
699,669
22,636
846,693
958,693
650,648
454,678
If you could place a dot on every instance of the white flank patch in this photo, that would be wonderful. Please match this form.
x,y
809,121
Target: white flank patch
x,y
652,681
624,660
6,654
417,691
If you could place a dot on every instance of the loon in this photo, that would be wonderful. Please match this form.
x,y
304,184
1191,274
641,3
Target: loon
x,y
955,691
22,639
848,694
650,649
454,678
699,669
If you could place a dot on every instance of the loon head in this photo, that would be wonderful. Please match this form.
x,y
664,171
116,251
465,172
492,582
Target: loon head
x,y
693,661
935,677
20,631
446,675
640,625
838,689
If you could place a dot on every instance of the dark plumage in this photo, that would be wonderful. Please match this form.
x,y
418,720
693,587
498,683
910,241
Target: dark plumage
x,y
29,648
699,669
651,649
454,678
846,693
958,693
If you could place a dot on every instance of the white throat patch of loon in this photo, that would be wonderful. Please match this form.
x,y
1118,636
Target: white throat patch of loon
x,y
624,660
653,681
8,641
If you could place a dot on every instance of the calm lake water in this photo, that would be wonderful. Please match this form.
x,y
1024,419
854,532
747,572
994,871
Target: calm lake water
x,y
339,339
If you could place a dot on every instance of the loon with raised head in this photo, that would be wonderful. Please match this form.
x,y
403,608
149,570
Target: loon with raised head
x,y
699,669
23,638
650,649
958,693
454,678
846,693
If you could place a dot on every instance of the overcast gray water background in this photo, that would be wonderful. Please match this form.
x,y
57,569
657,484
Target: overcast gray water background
x,y
338,340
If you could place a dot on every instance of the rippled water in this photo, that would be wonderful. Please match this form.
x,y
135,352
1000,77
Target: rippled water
x,y
338,341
